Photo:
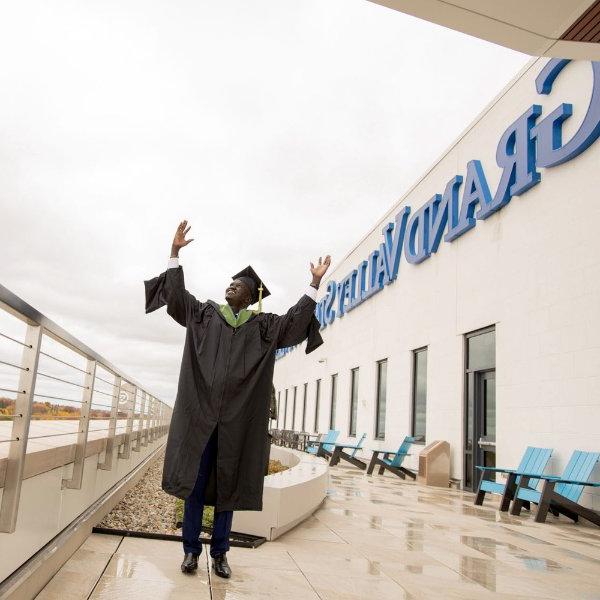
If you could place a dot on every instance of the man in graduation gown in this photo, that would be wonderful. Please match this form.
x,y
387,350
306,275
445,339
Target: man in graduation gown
x,y
216,451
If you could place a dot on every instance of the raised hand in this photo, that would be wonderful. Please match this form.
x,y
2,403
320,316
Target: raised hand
x,y
179,240
320,269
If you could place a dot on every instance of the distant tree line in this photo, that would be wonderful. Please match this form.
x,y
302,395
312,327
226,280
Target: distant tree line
x,y
47,410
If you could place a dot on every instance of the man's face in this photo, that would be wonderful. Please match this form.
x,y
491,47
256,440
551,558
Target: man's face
x,y
237,293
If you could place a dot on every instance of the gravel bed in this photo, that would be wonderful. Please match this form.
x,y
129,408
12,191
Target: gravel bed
x,y
146,507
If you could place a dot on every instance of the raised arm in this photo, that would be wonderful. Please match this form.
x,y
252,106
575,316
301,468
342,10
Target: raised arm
x,y
179,240
169,287
318,271
300,322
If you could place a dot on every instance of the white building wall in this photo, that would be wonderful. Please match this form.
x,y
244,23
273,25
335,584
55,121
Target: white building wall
x,y
532,269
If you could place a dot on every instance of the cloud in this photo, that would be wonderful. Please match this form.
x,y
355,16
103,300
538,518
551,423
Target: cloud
x,y
281,130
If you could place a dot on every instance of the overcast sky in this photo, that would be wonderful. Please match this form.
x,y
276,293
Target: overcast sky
x,y
281,129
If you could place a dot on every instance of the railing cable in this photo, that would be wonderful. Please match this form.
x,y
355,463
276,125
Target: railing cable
x,y
14,340
105,381
39,437
3,362
61,379
57,398
105,393
63,362
12,391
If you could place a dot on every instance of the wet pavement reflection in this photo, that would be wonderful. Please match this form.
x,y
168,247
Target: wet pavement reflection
x,y
374,537
443,546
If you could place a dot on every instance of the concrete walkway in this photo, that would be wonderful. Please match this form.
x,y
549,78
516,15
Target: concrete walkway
x,y
374,537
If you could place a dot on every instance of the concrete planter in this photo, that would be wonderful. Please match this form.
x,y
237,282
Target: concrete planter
x,y
289,497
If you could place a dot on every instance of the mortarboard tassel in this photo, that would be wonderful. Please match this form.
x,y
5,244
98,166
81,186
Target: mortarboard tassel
x,y
260,291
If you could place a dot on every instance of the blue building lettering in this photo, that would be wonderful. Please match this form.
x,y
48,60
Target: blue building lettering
x,y
526,145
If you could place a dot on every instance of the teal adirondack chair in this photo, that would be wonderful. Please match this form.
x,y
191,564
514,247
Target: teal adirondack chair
x,y
560,494
325,446
394,464
340,453
534,461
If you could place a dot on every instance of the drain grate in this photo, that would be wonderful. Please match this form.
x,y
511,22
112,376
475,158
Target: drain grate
x,y
241,540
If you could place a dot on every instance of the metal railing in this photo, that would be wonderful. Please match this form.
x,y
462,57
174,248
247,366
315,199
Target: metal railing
x,y
153,415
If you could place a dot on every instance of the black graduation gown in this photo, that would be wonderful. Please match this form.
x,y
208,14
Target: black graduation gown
x,y
225,381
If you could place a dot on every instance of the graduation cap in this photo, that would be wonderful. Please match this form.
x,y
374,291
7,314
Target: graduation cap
x,y
255,285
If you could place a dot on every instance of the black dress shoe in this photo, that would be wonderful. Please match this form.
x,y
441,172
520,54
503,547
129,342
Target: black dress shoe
x,y
190,563
220,566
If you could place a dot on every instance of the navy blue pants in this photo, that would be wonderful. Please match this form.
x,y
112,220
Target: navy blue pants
x,y
194,507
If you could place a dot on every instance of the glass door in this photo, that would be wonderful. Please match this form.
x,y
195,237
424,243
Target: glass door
x,y
485,409
480,405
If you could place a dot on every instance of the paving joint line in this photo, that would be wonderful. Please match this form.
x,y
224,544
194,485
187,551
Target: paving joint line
x,y
105,566
304,575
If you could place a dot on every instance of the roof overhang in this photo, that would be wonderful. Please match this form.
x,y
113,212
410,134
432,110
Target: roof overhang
x,y
557,28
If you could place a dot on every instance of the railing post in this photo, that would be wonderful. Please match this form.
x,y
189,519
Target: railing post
x,y
138,439
112,427
153,419
20,430
74,482
145,430
160,418
150,417
130,393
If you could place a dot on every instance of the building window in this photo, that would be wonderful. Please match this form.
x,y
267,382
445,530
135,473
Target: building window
x,y
419,396
353,401
304,407
333,400
294,409
317,394
381,397
278,406
285,411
